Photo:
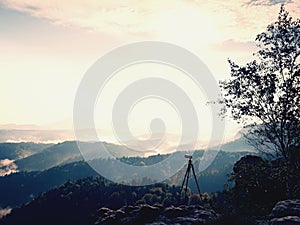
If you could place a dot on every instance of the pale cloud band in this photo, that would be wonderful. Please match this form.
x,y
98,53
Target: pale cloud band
x,y
188,20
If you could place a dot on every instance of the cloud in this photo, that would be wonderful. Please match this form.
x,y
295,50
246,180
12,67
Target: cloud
x,y
170,19
7,167
38,136
4,212
268,2
232,45
13,126
111,16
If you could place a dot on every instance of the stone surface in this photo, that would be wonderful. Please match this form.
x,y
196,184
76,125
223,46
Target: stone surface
x,y
155,215
286,208
285,212
287,220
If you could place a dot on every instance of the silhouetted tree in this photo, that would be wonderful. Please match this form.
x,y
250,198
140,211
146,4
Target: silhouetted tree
x,y
264,95
258,185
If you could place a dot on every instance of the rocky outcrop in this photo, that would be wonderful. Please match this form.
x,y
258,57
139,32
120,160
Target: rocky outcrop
x,y
286,208
155,215
287,220
285,212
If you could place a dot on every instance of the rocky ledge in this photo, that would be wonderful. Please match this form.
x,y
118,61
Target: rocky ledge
x,y
285,212
156,215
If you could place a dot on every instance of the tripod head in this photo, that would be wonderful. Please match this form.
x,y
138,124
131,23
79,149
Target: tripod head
x,y
188,156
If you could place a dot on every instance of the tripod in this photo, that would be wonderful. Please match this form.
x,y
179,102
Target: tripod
x,y
187,176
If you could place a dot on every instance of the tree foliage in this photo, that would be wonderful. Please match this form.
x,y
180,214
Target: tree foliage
x,y
258,185
264,95
77,202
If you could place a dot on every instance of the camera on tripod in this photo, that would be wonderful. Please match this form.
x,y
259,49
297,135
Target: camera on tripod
x,y
189,169
188,156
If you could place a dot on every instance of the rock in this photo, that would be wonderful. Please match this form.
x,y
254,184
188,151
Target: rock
x,y
199,207
285,212
119,214
156,215
202,214
156,223
129,208
188,221
173,212
147,212
287,220
286,208
141,215
103,211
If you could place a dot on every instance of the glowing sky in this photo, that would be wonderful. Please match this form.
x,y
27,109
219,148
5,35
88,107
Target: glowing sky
x,y
47,46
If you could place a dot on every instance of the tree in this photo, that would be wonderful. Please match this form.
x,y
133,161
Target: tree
x,y
264,95
258,185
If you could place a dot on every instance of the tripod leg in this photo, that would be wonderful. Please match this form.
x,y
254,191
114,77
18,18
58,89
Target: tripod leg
x,y
196,181
187,179
184,179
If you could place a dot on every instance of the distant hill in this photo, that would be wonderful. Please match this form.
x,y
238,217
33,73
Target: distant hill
x,y
9,152
53,156
67,152
238,145
24,186
14,151
33,157
45,166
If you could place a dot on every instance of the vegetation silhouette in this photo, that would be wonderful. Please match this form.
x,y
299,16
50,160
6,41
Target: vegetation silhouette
x,y
264,95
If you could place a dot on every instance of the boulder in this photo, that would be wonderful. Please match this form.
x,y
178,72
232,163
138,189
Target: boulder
x,y
156,215
103,211
285,212
173,212
188,221
286,208
287,220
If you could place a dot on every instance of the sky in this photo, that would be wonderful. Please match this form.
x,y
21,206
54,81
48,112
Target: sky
x,y
46,47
